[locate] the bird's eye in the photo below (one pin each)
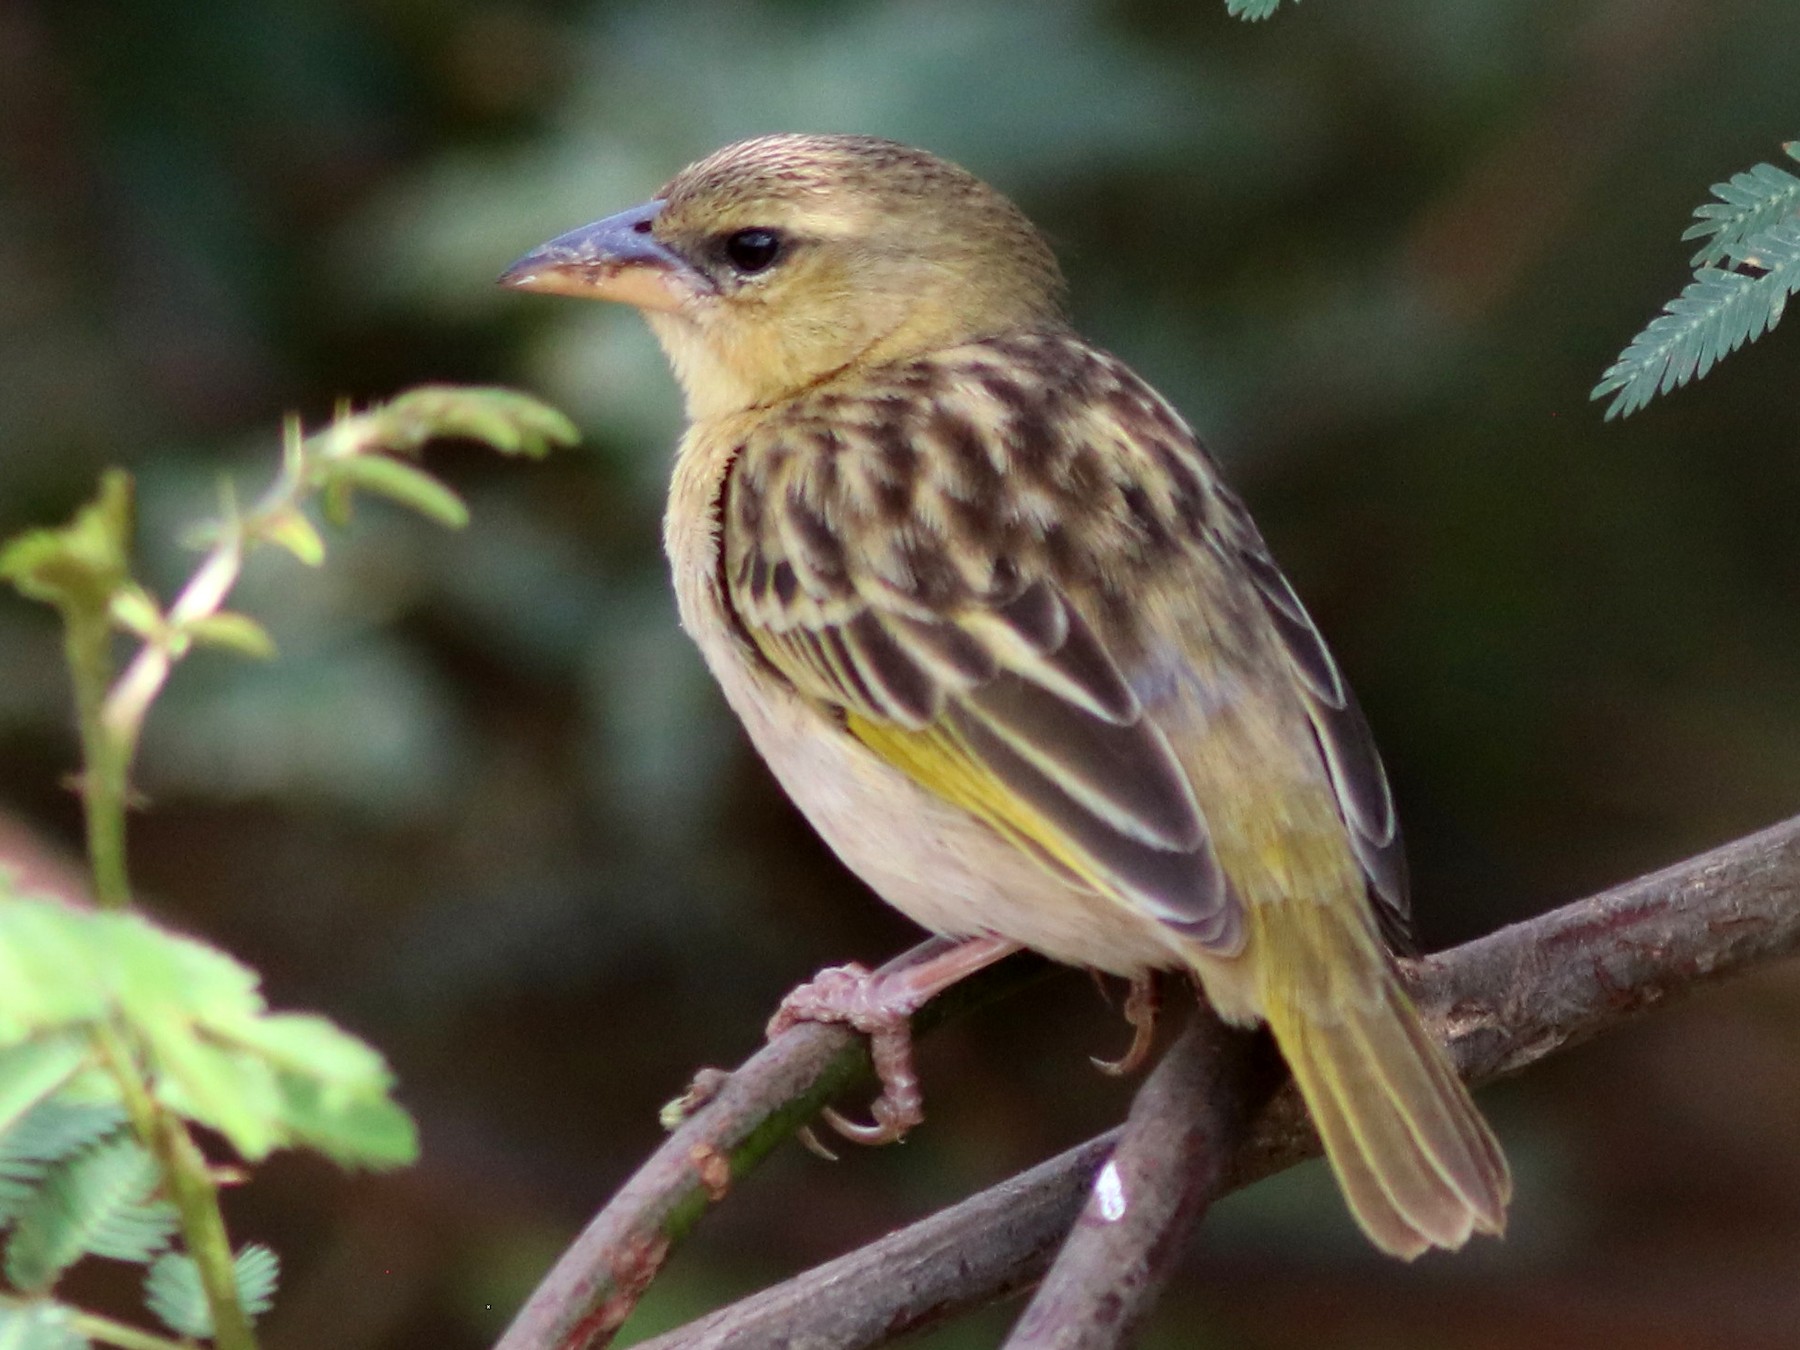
(752, 250)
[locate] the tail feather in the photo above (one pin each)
(1431, 1110)
(1417, 1164)
(1371, 1200)
(1483, 1149)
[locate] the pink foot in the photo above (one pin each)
(853, 995)
(880, 1004)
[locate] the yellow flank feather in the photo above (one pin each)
(935, 761)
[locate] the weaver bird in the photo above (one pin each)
(987, 609)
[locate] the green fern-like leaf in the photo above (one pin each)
(79, 566)
(98, 1201)
(48, 978)
(172, 1289)
(53, 1130)
(257, 1270)
(1748, 204)
(1718, 312)
(1251, 9)
(172, 1292)
(411, 487)
(215, 1053)
(510, 422)
(39, 1325)
(32, 1070)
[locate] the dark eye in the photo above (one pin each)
(752, 250)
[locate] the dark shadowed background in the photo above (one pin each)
(487, 809)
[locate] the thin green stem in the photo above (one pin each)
(191, 1190)
(105, 1330)
(103, 784)
(203, 1231)
(123, 1334)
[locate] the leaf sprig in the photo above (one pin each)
(365, 452)
(172, 1289)
(118, 1036)
(212, 1051)
(1743, 277)
(1252, 10)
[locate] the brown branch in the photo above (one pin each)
(1502, 1002)
(991, 1245)
(1185, 1126)
(732, 1121)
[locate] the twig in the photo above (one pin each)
(1185, 1126)
(997, 1242)
(598, 1280)
(1502, 1002)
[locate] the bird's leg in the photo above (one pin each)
(1141, 1006)
(880, 1004)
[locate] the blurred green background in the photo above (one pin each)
(488, 811)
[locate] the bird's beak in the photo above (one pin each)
(612, 259)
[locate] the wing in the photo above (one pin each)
(1345, 742)
(909, 556)
(895, 556)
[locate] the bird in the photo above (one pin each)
(998, 626)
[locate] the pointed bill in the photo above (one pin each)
(617, 258)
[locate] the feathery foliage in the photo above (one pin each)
(1743, 277)
(1749, 203)
(1252, 9)
(54, 1130)
(39, 1325)
(172, 1289)
(99, 1201)
(32, 1071)
(213, 1052)
(117, 1035)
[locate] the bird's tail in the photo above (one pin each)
(1417, 1163)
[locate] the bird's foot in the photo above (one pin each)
(1141, 1006)
(880, 1004)
(881, 1008)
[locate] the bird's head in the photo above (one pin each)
(774, 264)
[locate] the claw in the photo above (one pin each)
(881, 1005)
(874, 1134)
(810, 1141)
(1140, 1010)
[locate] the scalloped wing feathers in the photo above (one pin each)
(971, 641)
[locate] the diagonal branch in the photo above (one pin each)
(1185, 1126)
(1502, 1002)
(731, 1123)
